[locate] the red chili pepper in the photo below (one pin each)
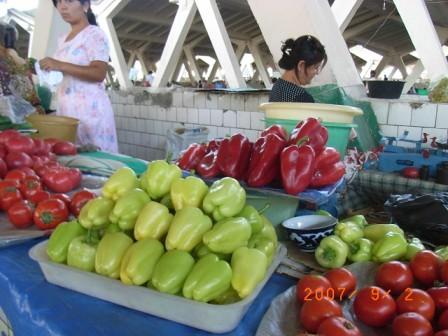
(234, 155)
(275, 129)
(329, 156)
(311, 128)
(297, 168)
(328, 175)
(190, 157)
(264, 163)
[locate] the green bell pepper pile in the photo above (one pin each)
(414, 246)
(332, 252)
(360, 250)
(171, 234)
(392, 246)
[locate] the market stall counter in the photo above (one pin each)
(35, 307)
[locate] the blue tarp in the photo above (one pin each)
(36, 307)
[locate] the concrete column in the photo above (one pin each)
(381, 65)
(253, 48)
(49, 26)
(212, 74)
(413, 76)
(316, 18)
(421, 30)
(176, 38)
(192, 63)
(344, 11)
(189, 72)
(221, 42)
(131, 59)
(141, 59)
(399, 64)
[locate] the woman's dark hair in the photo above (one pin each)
(306, 48)
(90, 16)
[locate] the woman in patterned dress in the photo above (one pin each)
(302, 60)
(82, 57)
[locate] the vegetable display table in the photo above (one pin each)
(36, 307)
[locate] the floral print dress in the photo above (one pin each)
(87, 101)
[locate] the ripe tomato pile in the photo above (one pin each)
(411, 299)
(34, 183)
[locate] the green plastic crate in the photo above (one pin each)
(338, 133)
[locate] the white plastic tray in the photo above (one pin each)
(208, 317)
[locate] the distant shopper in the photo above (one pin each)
(82, 56)
(149, 78)
(302, 60)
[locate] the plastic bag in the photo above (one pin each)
(15, 108)
(180, 138)
(425, 216)
(439, 93)
(49, 79)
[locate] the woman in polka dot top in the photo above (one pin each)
(302, 60)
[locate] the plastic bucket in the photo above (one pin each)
(50, 126)
(300, 111)
(338, 133)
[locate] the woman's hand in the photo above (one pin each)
(49, 64)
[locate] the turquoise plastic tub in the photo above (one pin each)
(338, 133)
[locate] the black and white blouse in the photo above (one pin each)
(284, 91)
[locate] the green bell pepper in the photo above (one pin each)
(128, 207)
(228, 297)
(188, 191)
(139, 261)
(209, 278)
(60, 239)
(263, 244)
(322, 212)
(248, 270)
(375, 232)
(95, 213)
(253, 217)
(202, 250)
(332, 252)
(392, 246)
(110, 253)
(123, 180)
(153, 221)
(171, 271)
(187, 229)
(158, 178)
(225, 198)
(443, 253)
(82, 251)
(167, 201)
(360, 250)
(414, 246)
(348, 232)
(268, 230)
(359, 220)
(228, 234)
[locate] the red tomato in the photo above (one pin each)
(8, 134)
(20, 143)
(338, 326)
(442, 333)
(79, 199)
(3, 151)
(426, 267)
(20, 214)
(62, 179)
(440, 296)
(51, 142)
(3, 168)
(443, 320)
(374, 306)
(41, 147)
(18, 160)
(394, 276)
(416, 301)
(38, 197)
(30, 185)
(63, 197)
(64, 148)
(342, 281)
(314, 312)
(444, 272)
(411, 324)
(9, 196)
(50, 213)
(307, 286)
(9, 183)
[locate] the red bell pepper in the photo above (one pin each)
(275, 129)
(208, 166)
(297, 168)
(312, 130)
(264, 163)
(234, 155)
(328, 175)
(329, 156)
(190, 157)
